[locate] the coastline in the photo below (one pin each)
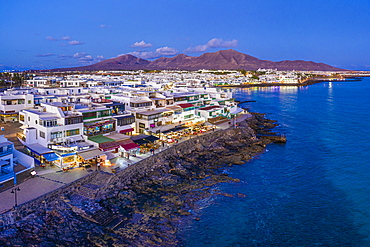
(142, 204)
(306, 83)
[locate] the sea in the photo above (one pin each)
(312, 191)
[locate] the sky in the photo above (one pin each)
(44, 34)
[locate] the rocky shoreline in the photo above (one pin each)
(144, 204)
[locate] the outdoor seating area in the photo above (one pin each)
(175, 135)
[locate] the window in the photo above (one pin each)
(56, 135)
(189, 108)
(49, 123)
(30, 101)
(73, 120)
(20, 101)
(141, 104)
(72, 132)
(154, 116)
(179, 99)
(21, 117)
(105, 113)
(42, 134)
(142, 125)
(89, 115)
(125, 121)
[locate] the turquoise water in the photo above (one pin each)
(312, 191)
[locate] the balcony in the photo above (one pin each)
(21, 136)
(6, 150)
(6, 176)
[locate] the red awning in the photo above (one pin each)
(130, 146)
(210, 107)
(126, 130)
(186, 105)
(108, 145)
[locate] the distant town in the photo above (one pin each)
(80, 119)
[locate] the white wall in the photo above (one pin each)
(24, 159)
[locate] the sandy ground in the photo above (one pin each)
(10, 131)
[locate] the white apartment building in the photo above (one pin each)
(53, 123)
(37, 82)
(12, 104)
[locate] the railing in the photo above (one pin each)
(21, 136)
(6, 152)
(6, 176)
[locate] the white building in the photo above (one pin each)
(53, 123)
(12, 104)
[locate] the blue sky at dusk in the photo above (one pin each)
(57, 34)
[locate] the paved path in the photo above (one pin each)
(51, 178)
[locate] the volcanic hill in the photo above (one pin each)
(220, 60)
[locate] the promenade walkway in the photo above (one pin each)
(51, 178)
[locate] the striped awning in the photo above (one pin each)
(105, 146)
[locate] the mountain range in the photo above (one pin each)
(220, 60)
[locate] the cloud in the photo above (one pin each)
(83, 57)
(141, 44)
(51, 38)
(213, 43)
(162, 51)
(65, 38)
(100, 58)
(90, 59)
(45, 55)
(79, 54)
(142, 54)
(64, 57)
(103, 26)
(166, 51)
(75, 42)
(86, 59)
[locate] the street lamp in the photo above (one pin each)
(14, 191)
